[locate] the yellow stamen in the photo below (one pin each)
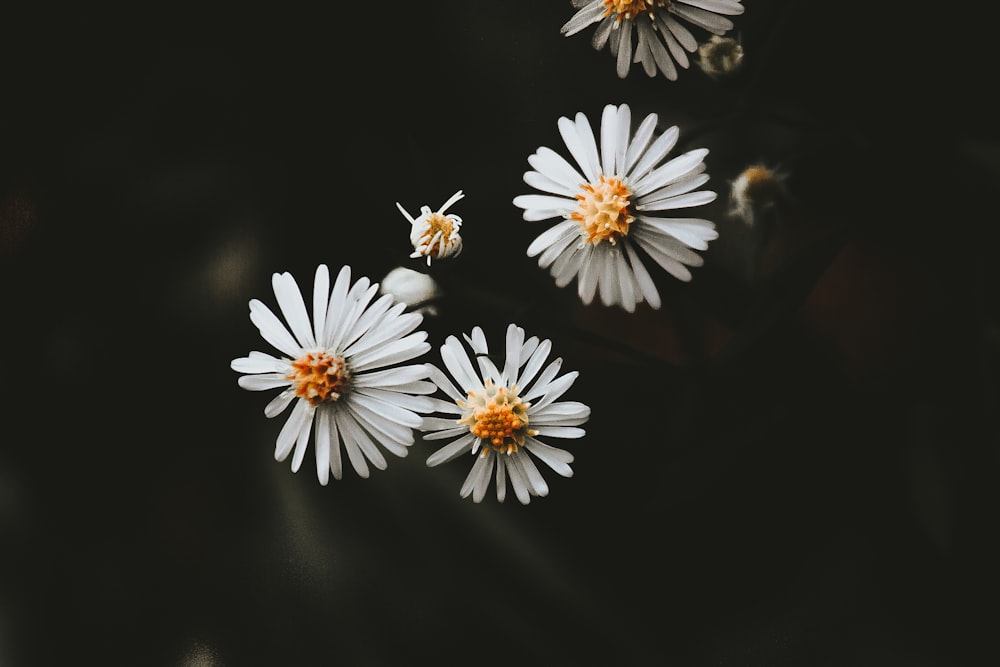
(627, 9)
(440, 226)
(319, 377)
(603, 212)
(498, 417)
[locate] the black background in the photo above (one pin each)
(792, 462)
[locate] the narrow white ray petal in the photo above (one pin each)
(562, 409)
(302, 443)
(602, 34)
(301, 413)
(394, 439)
(536, 482)
(279, 403)
(451, 200)
(501, 480)
(517, 477)
(535, 361)
(337, 304)
(652, 238)
(447, 433)
(263, 382)
(639, 143)
(588, 276)
(336, 462)
(323, 445)
(452, 450)
(609, 139)
(393, 328)
(321, 300)
(545, 202)
(272, 330)
(607, 281)
(568, 264)
(557, 388)
(571, 136)
(396, 411)
(713, 23)
(649, 202)
(553, 457)
(259, 363)
(374, 317)
(658, 54)
(730, 7)
(642, 278)
(512, 353)
(358, 299)
(404, 349)
(699, 198)
(669, 172)
(588, 15)
(457, 362)
(289, 297)
(438, 423)
(626, 283)
(669, 26)
(554, 431)
(558, 236)
(554, 166)
(668, 263)
(656, 152)
(391, 376)
(546, 184)
(539, 386)
(624, 49)
(444, 383)
(473, 483)
(348, 433)
(693, 232)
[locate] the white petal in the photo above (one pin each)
(553, 457)
(452, 450)
(272, 330)
(555, 167)
(259, 363)
(263, 382)
(642, 278)
(658, 150)
(297, 420)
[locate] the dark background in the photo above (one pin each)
(793, 462)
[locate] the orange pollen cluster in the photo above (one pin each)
(436, 224)
(603, 212)
(498, 417)
(627, 9)
(319, 377)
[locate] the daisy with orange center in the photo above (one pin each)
(340, 372)
(651, 32)
(611, 204)
(500, 414)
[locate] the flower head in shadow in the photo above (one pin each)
(651, 32)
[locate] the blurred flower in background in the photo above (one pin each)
(756, 189)
(435, 235)
(417, 290)
(720, 57)
(495, 416)
(612, 207)
(662, 40)
(341, 372)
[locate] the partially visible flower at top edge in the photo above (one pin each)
(434, 234)
(756, 189)
(614, 207)
(720, 57)
(341, 371)
(500, 413)
(661, 39)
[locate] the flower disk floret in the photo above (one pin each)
(500, 414)
(661, 40)
(341, 372)
(612, 204)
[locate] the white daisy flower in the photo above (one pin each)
(434, 234)
(341, 372)
(661, 40)
(499, 414)
(614, 206)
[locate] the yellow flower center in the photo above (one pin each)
(603, 212)
(319, 377)
(437, 224)
(627, 9)
(498, 417)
